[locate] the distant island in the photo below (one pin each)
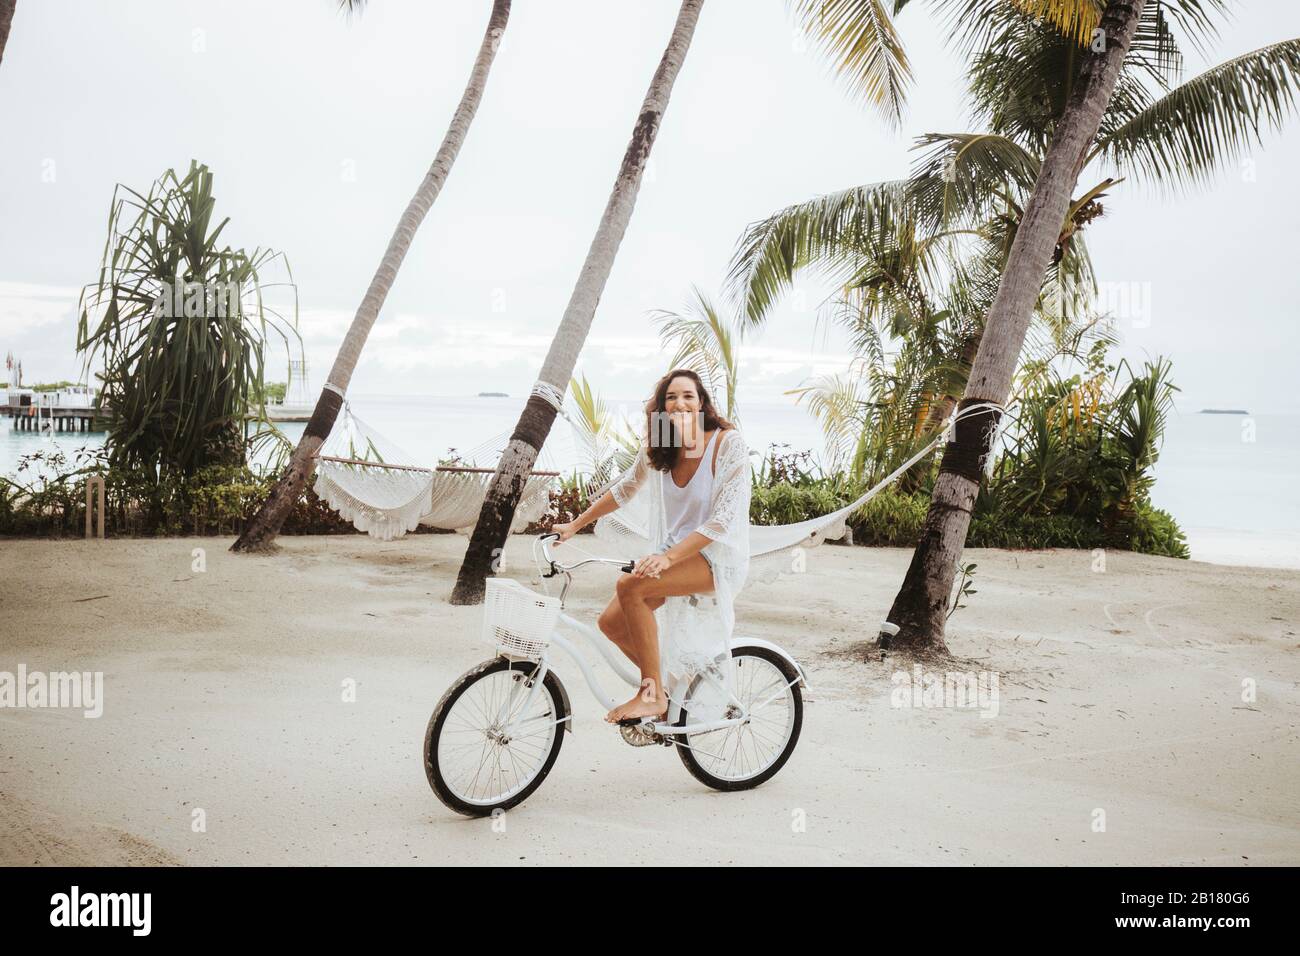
(1224, 411)
(493, 395)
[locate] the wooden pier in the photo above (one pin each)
(33, 418)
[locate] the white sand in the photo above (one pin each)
(1121, 692)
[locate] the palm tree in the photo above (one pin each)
(921, 256)
(535, 422)
(1186, 132)
(261, 531)
(1026, 80)
(6, 18)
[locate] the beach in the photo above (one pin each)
(1147, 713)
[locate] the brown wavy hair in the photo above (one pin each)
(663, 455)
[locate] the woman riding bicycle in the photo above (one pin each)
(690, 485)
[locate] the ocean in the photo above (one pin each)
(1225, 478)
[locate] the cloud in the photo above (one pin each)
(414, 352)
(25, 306)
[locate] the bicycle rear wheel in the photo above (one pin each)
(482, 750)
(745, 755)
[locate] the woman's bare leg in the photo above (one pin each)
(638, 597)
(613, 624)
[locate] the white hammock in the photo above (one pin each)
(379, 488)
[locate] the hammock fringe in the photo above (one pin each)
(372, 483)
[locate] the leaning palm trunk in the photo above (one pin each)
(920, 608)
(539, 414)
(261, 531)
(6, 18)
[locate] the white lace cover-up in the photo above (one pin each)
(694, 630)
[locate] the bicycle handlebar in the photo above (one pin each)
(556, 567)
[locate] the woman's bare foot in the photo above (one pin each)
(647, 703)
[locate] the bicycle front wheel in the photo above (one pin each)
(743, 756)
(491, 741)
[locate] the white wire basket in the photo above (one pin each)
(517, 620)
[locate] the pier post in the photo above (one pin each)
(95, 483)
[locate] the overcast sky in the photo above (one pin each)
(318, 127)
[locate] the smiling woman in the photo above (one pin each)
(688, 492)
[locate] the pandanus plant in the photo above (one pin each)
(180, 322)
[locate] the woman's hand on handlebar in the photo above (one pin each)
(566, 530)
(652, 565)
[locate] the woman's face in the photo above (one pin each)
(682, 403)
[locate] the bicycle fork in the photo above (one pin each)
(506, 716)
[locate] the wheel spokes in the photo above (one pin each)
(479, 762)
(746, 750)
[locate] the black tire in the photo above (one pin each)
(748, 783)
(550, 685)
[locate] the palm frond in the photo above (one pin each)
(1183, 138)
(959, 176)
(824, 232)
(836, 402)
(1154, 48)
(972, 24)
(1196, 19)
(604, 441)
(859, 38)
(1074, 19)
(708, 344)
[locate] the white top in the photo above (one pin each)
(685, 509)
(694, 632)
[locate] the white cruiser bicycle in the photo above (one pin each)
(497, 731)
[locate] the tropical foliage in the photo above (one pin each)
(708, 343)
(606, 443)
(46, 497)
(180, 322)
(1074, 468)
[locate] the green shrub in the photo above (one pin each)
(890, 520)
(214, 500)
(219, 498)
(786, 503)
(1156, 532)
(1033, 531)
(894, 519)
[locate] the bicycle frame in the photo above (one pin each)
(667, 726)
